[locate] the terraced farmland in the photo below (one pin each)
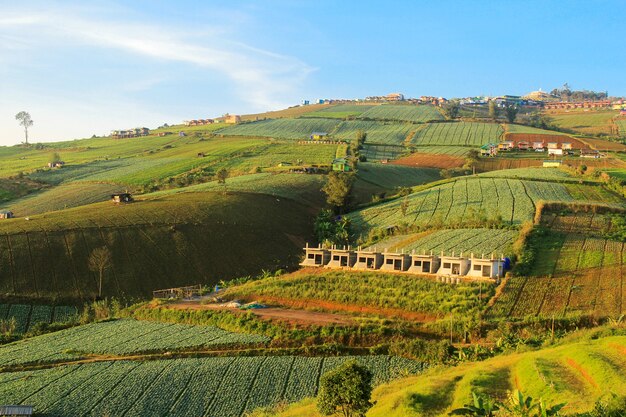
(340, 111)
(373, 179)
(585, 122)
(294, 129)
(621, 126)
(476, 241)
(458, 134)
(407, 113)
(118, 337)
(514, 128)
(28, 316)
(216, 387)
(391, 133)
(443, 150)
(375, 152)
(512, 199)
(432, 160)
(532, 173)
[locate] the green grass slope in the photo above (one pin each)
(575, 373)
(171, 241)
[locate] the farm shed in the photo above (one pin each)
(538, 145)
(122, 198)
(341, 258)
(398, 262)
(523, 145)
(506, 145)
(315, 256)
(566, 146)
(179, 292)
(232, 118)
(6, 214)
(454, 265)
(552, 164)
(489, 149)
(161, 134)
(16, 410)
(367, 260)
(486, 267)
(318, 136)
(554, 151)
(589, 153)
(424, 264)
(553, 145)
(341, 165)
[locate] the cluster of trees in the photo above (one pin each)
(565, 93)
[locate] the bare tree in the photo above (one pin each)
(24, 118)
(100, 260)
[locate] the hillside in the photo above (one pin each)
(575, 373)
(178, 239)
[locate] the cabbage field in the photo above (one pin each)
(294, 129)
(458, 134)
(215, 387)
(27, 316)
(405, 113)
(391, 133)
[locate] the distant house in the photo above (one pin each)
(454, 265)
(130, 133)
(394, 97)
(489, 149)
(16, 410)
(523, 145)
(538, 145)
(341, 165)
(199, 122)
(554, 151)
(232, 118)
(318, 136)
(589, 153)
(161, 134)
(486, 267)
(553, 145)
(506, 145)
(6, 214)
(566, 146)
(552, 164)
(424, 264)
(315, 256)
(57, 164)
(122, 198)
(398, 262)
(366, 260)
(201, 155)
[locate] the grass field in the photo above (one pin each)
(585, 122)
(458, 134)
(341, 111)
(365, 292)
(291, 112)
(382, 152)
(215, 387)
(176, 240)
(576, 373)
(513, 199)
(515, 128)
(386, 178)
(467, 241)
(405, 113)
(119, 337)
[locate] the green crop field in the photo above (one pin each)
(458, 134)
(118, 337)
(512, 199)
(341, 111)
(577, 374)
(392, 133)
(384, 178)
(621, 126)
(532, 173)
(216, 387)
(467, 241)
(405, 113)
(514, 128)
(368, 290)
(174, 240)
(27, 317)
(585, 122)
(294, 129)
(375, 152)
(460, 151)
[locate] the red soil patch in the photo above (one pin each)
(604, 145)
(619, 348)
(571, 362)
(430, 160)
(538, 137)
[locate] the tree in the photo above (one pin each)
(221, 175)
(100, 260)
(494, 111)
(404, 206)
(471, 159)
(510, 112)
(24, 118)
(480, 407)
(338, 188)
(451, 109)
(345, 391)
(55, 158)
(522, 406)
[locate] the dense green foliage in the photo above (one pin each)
(28, 317)
(406, 113)
(346, 391)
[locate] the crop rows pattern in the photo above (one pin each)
(119, 337)
(458, 134)
(215, 387)
(415, 114)
(27, 316)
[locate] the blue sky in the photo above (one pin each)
(83, 68)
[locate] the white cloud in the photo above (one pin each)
(261, 78)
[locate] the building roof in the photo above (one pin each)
(16, 410)
(5, 212)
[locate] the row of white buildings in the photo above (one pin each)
(411, 263)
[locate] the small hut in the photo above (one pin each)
(398, 262)
(424, 264)
(341, 258)
(454, 265)
(315, 256)
(6, 214)
(368, 260)
(122, 198)
(490, 267)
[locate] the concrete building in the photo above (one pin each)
(554, 151)
(454, 265)
(424, 264)
(368, 260)
(341, 258)
(396, 262)
(315, 256)
(486, 267)
(232, 118)
(6, 214)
